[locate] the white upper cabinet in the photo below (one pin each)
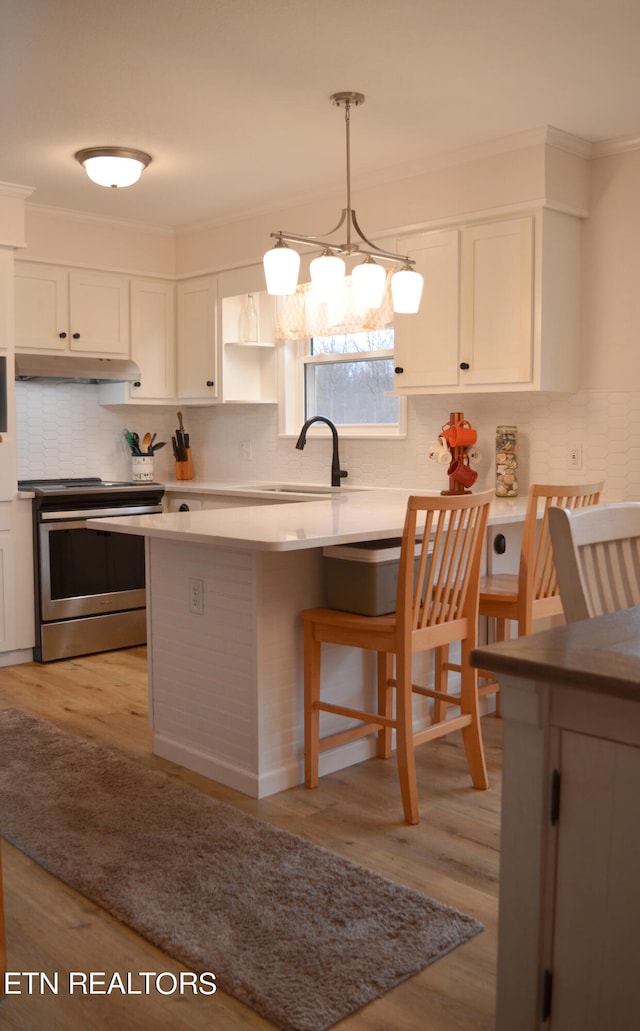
(197, 340)
(153, 346)
(426, 344)
(496, 303)
(71, 311)
(500, 309)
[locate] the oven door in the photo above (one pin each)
(86, 572)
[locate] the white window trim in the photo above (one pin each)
(293, 356)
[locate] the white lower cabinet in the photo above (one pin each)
(188, 501)
(17, 620)
(500, 309)
(570, 837)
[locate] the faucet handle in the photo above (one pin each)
(342, 473)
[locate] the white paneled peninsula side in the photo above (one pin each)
(224, 591)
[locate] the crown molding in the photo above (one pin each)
(69, 215)
(561, 140)
(15, 190)
(621, 145)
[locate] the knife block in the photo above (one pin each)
(184, 470)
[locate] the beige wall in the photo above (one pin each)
(97, 243)
(499, 181)
(611, 276)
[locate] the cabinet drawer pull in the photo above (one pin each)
(76, 336)
(209, 382)
(464, 366)
(63, 336)
(137, 383)
(398, 370)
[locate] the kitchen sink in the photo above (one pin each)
(318, 490)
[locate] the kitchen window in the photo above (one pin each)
(347, 378)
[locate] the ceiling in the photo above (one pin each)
(231, 97)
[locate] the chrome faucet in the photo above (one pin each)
(337, 473)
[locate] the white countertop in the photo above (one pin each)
(363, 515)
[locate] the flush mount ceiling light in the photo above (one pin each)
(281, 263)
(113, 166)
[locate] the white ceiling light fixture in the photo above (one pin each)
(113, 166)
(281, 267)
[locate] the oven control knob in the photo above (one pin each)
(184, 508)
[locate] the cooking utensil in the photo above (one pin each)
(146, 443)
(156, 447)
(133, 441)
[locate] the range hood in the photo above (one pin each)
(76, 369)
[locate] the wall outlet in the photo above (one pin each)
(246, 450)
(575, 456)
(196, 596)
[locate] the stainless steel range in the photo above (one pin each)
(90, 584)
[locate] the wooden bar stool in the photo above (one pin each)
(532, 592)
(436, 605)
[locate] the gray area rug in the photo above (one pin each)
(299, 934)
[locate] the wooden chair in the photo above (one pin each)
(437, 604)
(530, 594)
(597, 557)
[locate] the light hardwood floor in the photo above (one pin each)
(451, 855)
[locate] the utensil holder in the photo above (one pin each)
(184, 470)
(142, 468)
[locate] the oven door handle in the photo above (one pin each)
(100, 513)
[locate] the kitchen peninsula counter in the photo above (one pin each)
(365, 514)
(225, 588)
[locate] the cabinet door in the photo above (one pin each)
(496, 302)
(426, 344)
(597, 893)
(153, 339)
(197, 351)
(41, 307)
(99, 313)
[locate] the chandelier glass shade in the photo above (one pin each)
(113, 166)
(328, 270)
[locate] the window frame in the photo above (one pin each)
(295, 356)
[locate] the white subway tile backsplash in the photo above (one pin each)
(64, 431)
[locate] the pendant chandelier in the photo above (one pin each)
(282, 263)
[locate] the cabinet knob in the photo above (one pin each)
(137, 383)
(464, 366)
(209, 382)
(76, 336)
(398, 370)
(63, 336)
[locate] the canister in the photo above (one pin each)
(506, 461)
